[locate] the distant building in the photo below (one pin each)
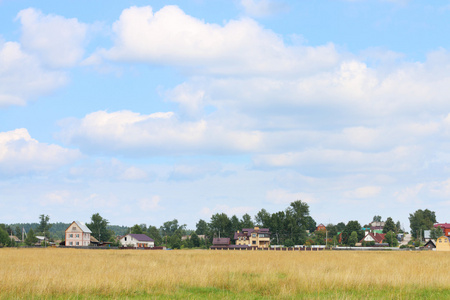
(253, 237)
(377, 227)
(321, 227)
(373, 237)
(221, 242)
(430, 245)
(137, 240)
(443, 243)
(445, 228)
(78, 235)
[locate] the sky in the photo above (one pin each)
(149, 111)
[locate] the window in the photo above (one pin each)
(254, 242)
(78, 243)
(74, 228)
(77, 235)
(253, 234)
(71, 235)
(71, 243)
(125, 239)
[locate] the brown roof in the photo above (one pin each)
(221, 241)
(378, 237)
(93, 239)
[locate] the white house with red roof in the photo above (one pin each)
(373, 237)
(137, 240)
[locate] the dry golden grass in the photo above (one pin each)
(71, 273)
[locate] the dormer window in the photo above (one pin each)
(74, 228)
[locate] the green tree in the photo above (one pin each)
(221, 225)
(391, 239)
(153, 233)
(436, 233)
(202, 227)
(31, 238)
(376, 219)
(246, 221)
(195, 240)
(44, 225)
(353, 239)
(170, 227)
(349, 228)
(235, 224)
(340, 226)
(4, 237)
(297, 215)
(98, 226)
(262, 218)
(389, 226)
(332, 230)
(137, 229)
(421, 220)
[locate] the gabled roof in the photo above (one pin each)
(141, 237)
(93, 239)
(83, 227)
(80, 225)
(377, 237)
(221, 241)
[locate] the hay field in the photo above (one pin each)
(72, 273)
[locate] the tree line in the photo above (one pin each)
(291, 226)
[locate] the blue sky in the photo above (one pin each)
(146, 111)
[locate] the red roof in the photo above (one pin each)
(442, 225)
(378, 237)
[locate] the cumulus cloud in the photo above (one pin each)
(364, 192)
(57, 41)
(21, 154)
(169, 36)
(155, 134)
(22, 76)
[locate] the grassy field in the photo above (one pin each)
(194, 274)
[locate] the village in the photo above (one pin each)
(78, 235)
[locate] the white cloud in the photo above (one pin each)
(262, 8)
(158, 133)
(169, 36)
(58, 41)
(230, 211)
(20, 154)
(22, 77)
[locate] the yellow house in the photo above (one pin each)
(443, 243)
(253, 237)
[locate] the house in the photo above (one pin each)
(445, 228)
(78, 235)
(221, 242)
(373, 237)
(137, 240)
(15, 239)
(41, 239)
(431, 244)
(94, 241)
(321, 227)
(443, 243)
(253, 237)
(377, 227)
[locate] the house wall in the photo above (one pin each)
(76, 237)
(131, 241)
(442, 244)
